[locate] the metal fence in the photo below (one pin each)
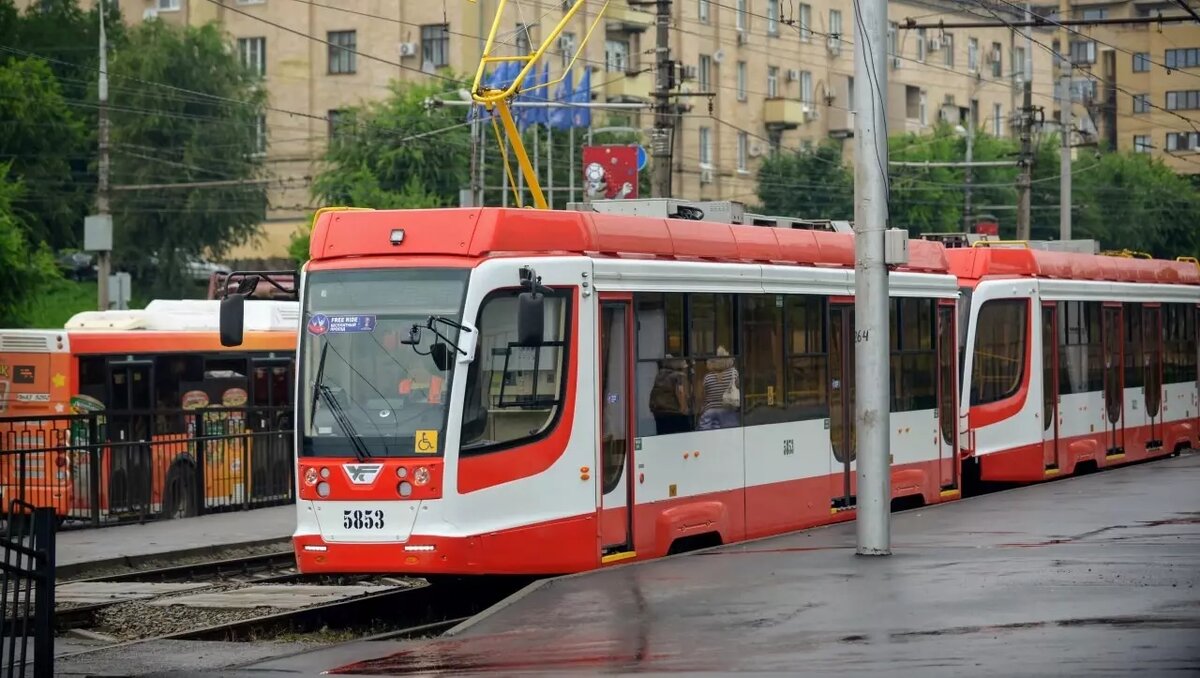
(26, 591)
(114, 466)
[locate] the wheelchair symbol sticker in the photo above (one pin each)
(426, 442)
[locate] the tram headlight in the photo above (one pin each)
(404, 488)
(310, 476)
(323, 489)
(421, 476)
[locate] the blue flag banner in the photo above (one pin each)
(581, 115)
(562, 118)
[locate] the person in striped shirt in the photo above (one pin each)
(722, 393)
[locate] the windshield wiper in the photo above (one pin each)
(335, 408)
(339, 415)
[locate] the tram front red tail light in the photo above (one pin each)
(404, 488)
(421, 476)
(323, 489)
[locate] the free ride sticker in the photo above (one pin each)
(426, 442)
(340, 324)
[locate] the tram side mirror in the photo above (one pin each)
(530, 319)
(440, 355)
(233, 309)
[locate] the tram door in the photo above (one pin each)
(1152, 373)
(1050, 360)
(1114, 378)
(841, 403)
(947, 411)
(129, 429)
(616, 458)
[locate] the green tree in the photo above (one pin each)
(203, 129)
(807, 184)
(26, 270)
(40, 140)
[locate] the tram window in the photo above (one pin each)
(998, 363)
(659, 325)
(500, 411)
(1134, 375)
(711, 324)
(807, 364)
(174, 375)
(762, 339)
(1079, 366)
(913, 382)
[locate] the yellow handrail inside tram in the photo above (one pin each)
(990, 243)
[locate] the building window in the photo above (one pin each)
(169, 5)
(343, 47)
(805, 22)
(773, 17)
(741, 16)
(253, 53)
(567, 45)
(705, 72)
(435, 44)
(705, 147)
(1094, 14)
(948, 50)
(893, 46)
(1018, 64)
(924, 109)
(835, 23)
(743, 151)
(260, 134)
(1141, 103)
(1183, 141)
(1083, 52)
(339, 122)
(1141, 143)
(741, 81)
(997, 121)
(772, 81)
(921, 45)
(1141, 62)
(702, 9)
(1183, 58)
(973, 55)
(999, 359)
(806, 87)
(1187, 100)
(616, 56)
(997, 59)
(912, 102)
(522, 39)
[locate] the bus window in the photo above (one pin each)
(171, 373)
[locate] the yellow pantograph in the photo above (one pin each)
(499, 100)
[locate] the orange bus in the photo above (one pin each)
(133, 414)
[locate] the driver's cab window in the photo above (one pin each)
(514, 393)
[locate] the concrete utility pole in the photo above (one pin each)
(871, 403)
(102, 208)
(1025, 179)
(968, 176)
(662, 139)
(1064, 215)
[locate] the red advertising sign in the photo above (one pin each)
(987, 228)
(610, 172)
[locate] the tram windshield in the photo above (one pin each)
(366, 389)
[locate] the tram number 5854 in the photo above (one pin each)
(362, 520)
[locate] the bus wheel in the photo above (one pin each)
(179, 495)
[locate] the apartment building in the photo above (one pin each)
(758, 74)
(1137, 86)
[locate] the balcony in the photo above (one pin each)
(779, 113)
(633, 87)
(620, 17)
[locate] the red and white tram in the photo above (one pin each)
(496, 391)
(1077, 360)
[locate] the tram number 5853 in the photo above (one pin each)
(362, 520)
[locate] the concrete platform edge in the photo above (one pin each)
(498, 607)
(79, 570)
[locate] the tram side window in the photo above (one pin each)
(998, 363)
(1179, 343)
(174, 376)
(762, 379)
(1134, 375)
(514, 393)
(807, 360)
(1080, 369)
(913, 381)
(714, 355)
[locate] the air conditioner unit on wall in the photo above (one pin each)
(149, 13)
(793, 74)
(935, 44)
(706, 175)
(690, 72)
(408, 49)
(834, 44)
